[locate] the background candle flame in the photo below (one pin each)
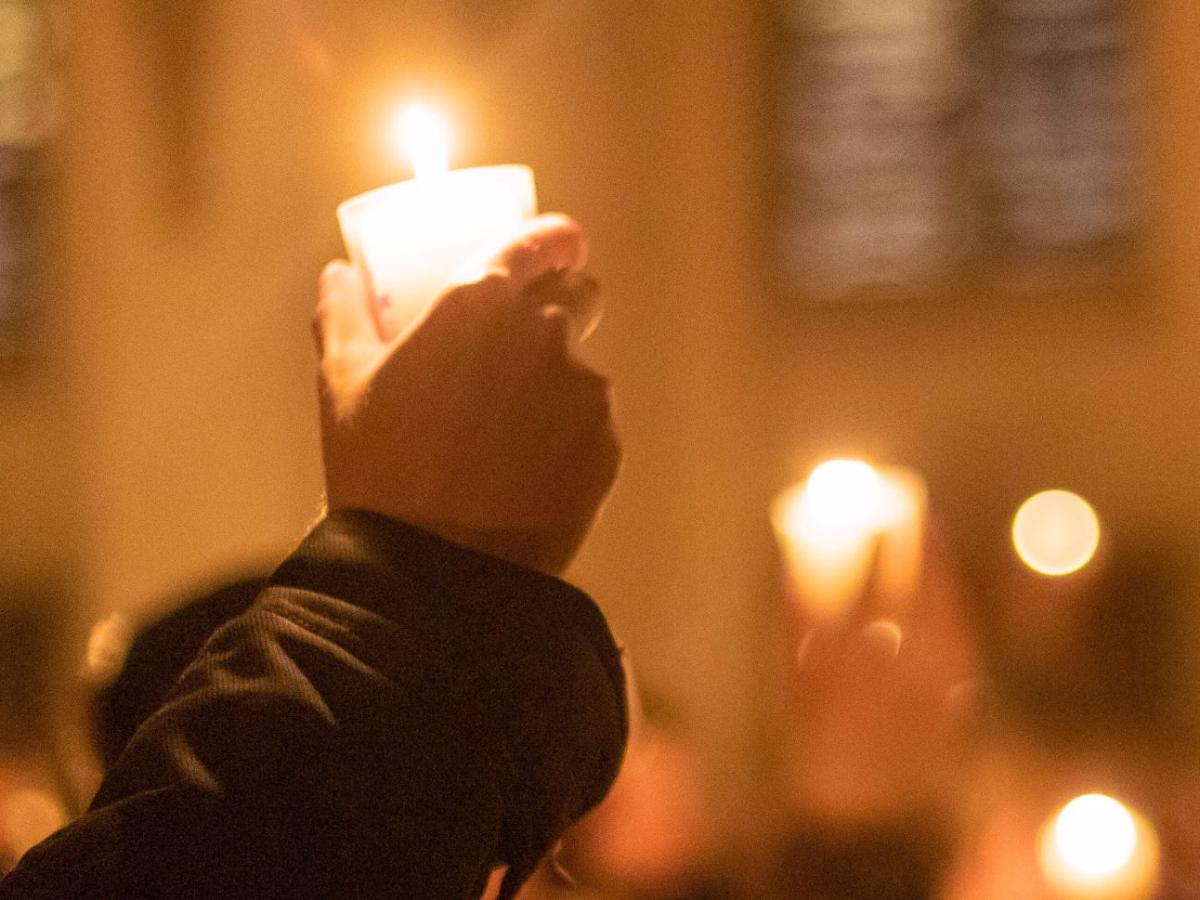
(423, 138)
(843, 518)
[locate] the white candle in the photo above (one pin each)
(843, 517)
(410, 238)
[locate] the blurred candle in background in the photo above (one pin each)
(846, 515)
(410, 238)
(1096, 848)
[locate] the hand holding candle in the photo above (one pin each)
(478, 425)
(450, 398)
(882, 657)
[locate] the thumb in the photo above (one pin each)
(343, 325)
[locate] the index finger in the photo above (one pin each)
(498, 283)
(547, 243)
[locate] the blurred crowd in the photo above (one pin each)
(925, 743)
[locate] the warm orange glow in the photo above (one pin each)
(1096, 847)
(1056, 532)
(845, 514)
(29, 816)
(422, 136)
(839, 501)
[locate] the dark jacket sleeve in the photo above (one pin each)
(394, 716)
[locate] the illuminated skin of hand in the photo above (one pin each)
(877, 704)
(479, 424)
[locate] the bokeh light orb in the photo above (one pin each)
(1094, 836)
(1056, 532)
(1095, 846)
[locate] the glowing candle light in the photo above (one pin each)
(424, 137)
(1097, 848)
(1056, 532)
(28, 816)
(844, 516)
(410, 238)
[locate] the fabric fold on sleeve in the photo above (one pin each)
(392, 717)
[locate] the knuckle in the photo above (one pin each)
(556, 243)
(520, 259)
(554, 240)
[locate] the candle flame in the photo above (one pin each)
(826, 526)
(841, 500)
(423, 136)
(845, 518)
